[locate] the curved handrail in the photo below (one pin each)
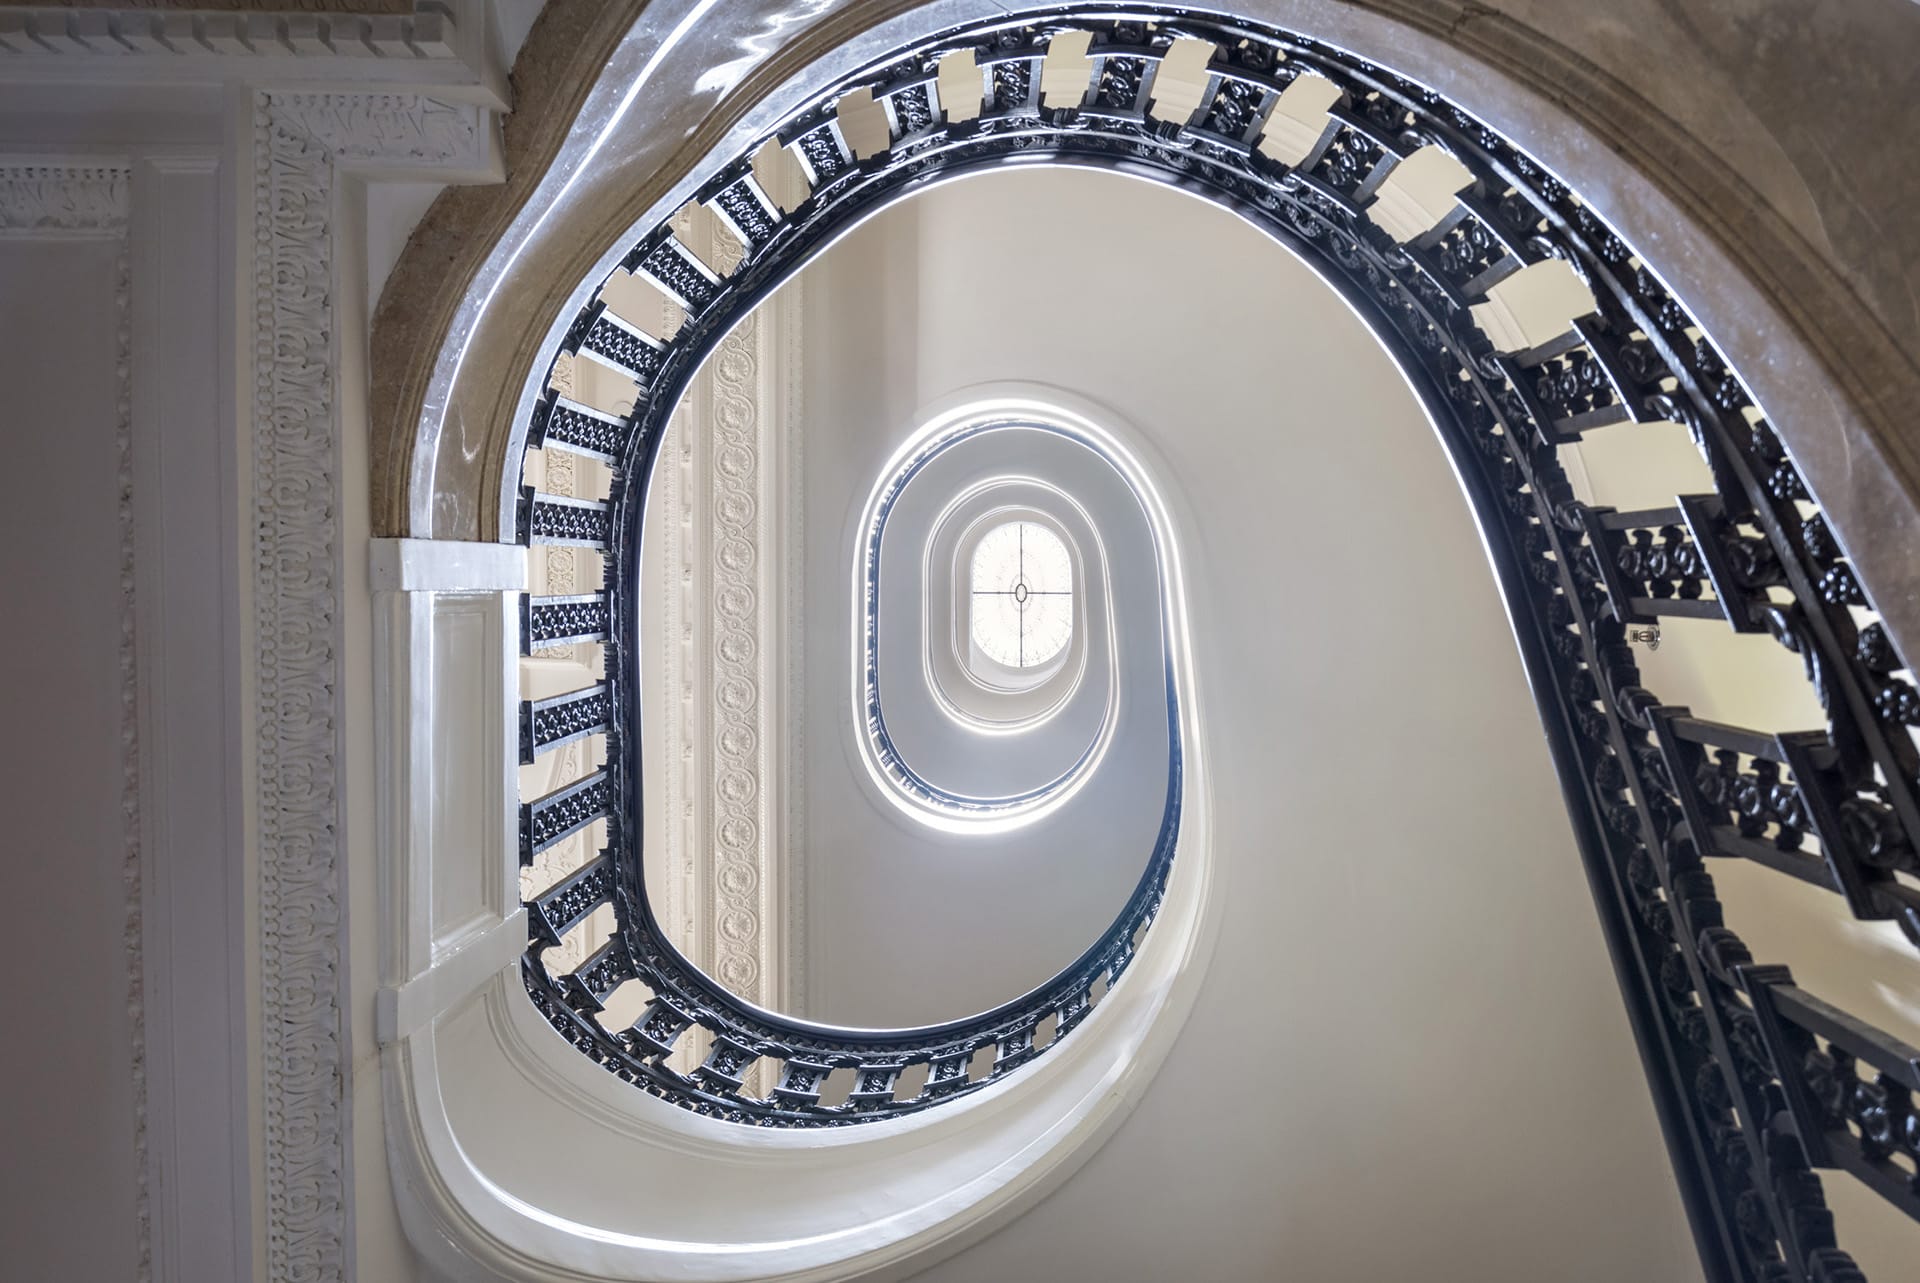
(1757, 1081)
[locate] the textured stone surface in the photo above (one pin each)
(1756, 153)
(1816, 103)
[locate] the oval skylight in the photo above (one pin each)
(1022, 602)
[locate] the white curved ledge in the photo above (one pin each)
(515, 1157)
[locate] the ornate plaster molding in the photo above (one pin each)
(741, 781)
(49, 199)
(299, 140)
(730, 675)
(445, 47)
(681, 834)
(42, 199)
(382, 127)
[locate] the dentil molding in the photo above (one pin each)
(444, 43)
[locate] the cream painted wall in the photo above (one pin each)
(1411, 1015)
(907, 924)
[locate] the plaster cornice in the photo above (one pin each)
(297, 28)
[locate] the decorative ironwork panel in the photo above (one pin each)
(546, 622)
(568, 903)
(673, 268)
(581, 429)
(727, 1064)
(746, 209)
(1850, 1089)
(588, 986)
(910, 111)
(1120, 85)
(1014, 76)
(1235, 109)
(562, 519)
(822, 152)
(619, 344)
(1583, 380)
(563, 812)
(800, 1083)
(873, 1086)
(546, 724)
(659, 1027)
(1649, 563)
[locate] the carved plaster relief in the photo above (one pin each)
(727, 636)
(300, 140)
(335, 7)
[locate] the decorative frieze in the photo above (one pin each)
(50, 199)
(730, 557)
(299, 140)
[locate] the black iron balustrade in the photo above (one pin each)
(564, 424)
(1759, 1084)
(562, 519)
(607, 338)
(549, 622)
(564, 812)
(562, 719)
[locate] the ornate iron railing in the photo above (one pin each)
(1758, 1082)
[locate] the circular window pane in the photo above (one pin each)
(1022, 612)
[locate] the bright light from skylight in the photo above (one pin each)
(1022, 612)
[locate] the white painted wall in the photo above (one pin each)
(1411, 1018)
